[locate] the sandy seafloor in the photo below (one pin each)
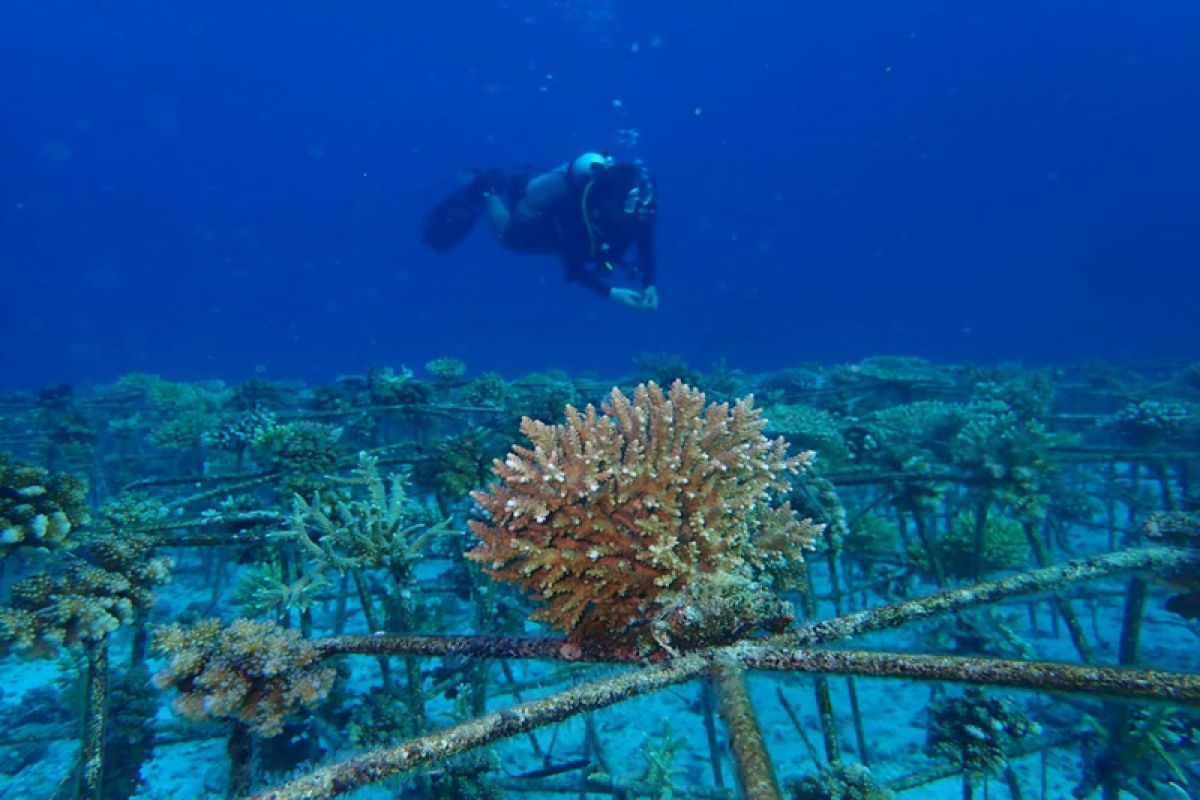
(893, 711)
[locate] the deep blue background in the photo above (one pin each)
(203, 189)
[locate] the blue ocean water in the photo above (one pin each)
(222, 189)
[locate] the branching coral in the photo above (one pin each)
(38, 509)
(256, 672)
(85, 600)
(643, 521)
(266, 590)
(383, 529)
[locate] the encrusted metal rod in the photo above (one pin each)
(756, 773)
(376, 765)
(504, 647)
(982, 594)
(91, 751)
(1170, 687)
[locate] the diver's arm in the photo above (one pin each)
(577, 272)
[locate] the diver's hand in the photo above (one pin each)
(650, 299)
(627, 297)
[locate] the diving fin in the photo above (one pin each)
(453, 218)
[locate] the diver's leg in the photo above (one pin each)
(498, 215)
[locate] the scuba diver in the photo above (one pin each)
(588, 212)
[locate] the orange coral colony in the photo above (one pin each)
(648, 522)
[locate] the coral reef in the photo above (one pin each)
(38, 509)
(655, 505)
(256, 672)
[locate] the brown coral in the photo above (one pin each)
(85, 599)
(622, 521)
(254, 671)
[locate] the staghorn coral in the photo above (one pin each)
(650, 521)
(382, 529)
(256, 672)
(86, 599)
(266, 590)
(38, 509)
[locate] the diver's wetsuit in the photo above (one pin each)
(548, 217)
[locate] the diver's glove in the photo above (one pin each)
(650, 298)
(629, 297)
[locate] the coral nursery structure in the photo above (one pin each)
(334, 592)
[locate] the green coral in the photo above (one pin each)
(378, 718)
(170, 397)
(808, 428)
(266, 590)
(256, 394)
(382, 529)
(38, 509)
(389, 388)
(1006, 459)
(184, 431)
(905, 376)
(871, 537)
(304, 452)
(541, 395)
(663, 369)
(458, 465)
(661, 767)
(489, 389)
(1005, 547)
